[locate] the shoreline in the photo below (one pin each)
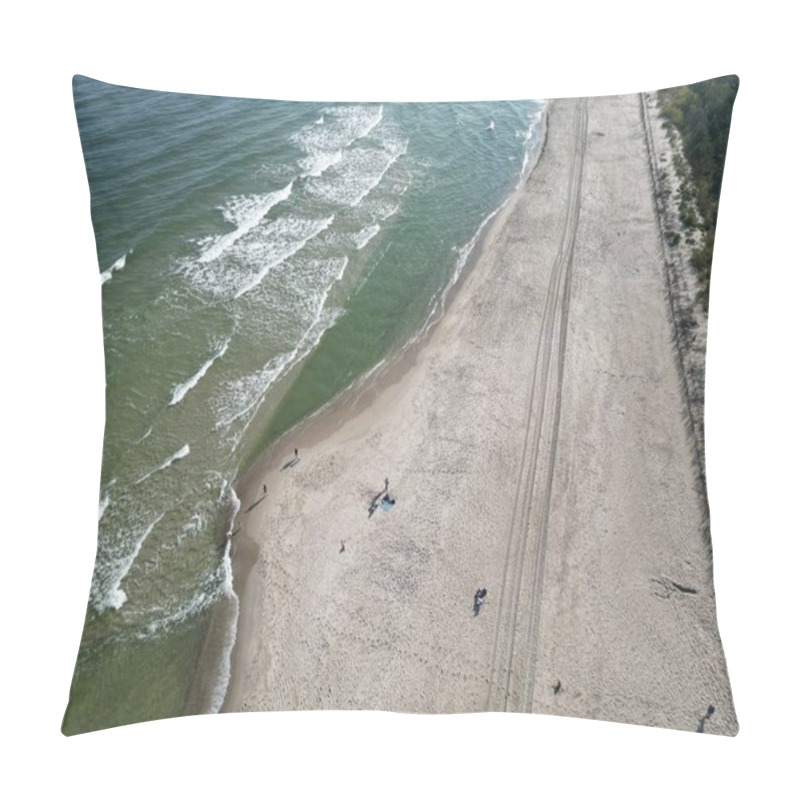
(347, 404)
(600, 602)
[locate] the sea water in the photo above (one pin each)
(255, 258)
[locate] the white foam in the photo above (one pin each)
(243, 396)
(535, 123)
(315, 164)
(245, 265)
(115, 597)
(342, 126)
(464, 252)
(191, 528)
(272, 252)
(363, 236)
(380, 209)
(221, 687)
(200, 601)
(340, 273)
(360, 170)
(177, 456)
(246, 212)
(105, 498)
(147, 433)
(118, 264)
(179, 391)
(246, 393)
(103, 506)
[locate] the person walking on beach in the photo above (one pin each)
(295, 454)
(386, 486)
(265, 488)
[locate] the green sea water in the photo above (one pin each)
(256, 258)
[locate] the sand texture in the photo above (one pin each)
(537, 445)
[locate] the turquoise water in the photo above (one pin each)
(256, 257)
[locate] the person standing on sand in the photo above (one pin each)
(265, 488)
(386, 487)
(295, 454)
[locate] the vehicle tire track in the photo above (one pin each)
(513, 662)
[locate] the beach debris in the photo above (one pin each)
(478, 600)
(701, 723)
(382, 499)
(665, 588)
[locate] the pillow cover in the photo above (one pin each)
(404, 407)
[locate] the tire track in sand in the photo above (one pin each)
(511, 675)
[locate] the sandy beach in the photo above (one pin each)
(535, 444)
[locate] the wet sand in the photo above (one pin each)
(536, 445)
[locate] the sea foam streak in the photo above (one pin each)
(179, 391)
(103, 505)
(177, 456)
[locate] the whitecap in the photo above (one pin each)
(343, 126)
(243, 396)
(179, 391)
(315, 164)
(246, 264)
(363, 236)
(103, 506)
(106, 275)
(200, 601)
(245, 212)
(115, 597)
(268, 254)
(177, 456)
(360, 170)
